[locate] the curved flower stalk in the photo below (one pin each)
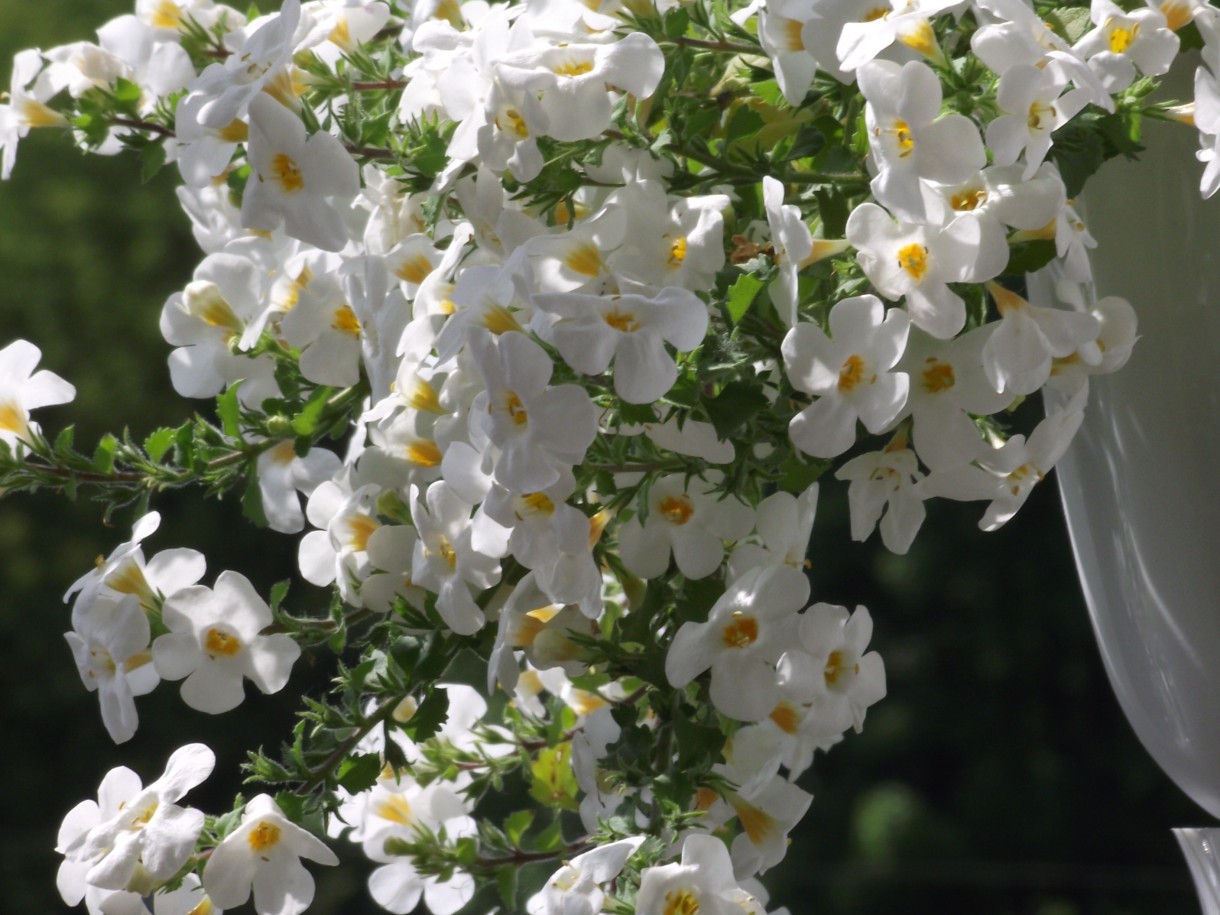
(561, 328)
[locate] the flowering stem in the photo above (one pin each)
(150, 126)
(372, 85)
(730, 47)
(370, 152)
(319, 774)
(527, 857)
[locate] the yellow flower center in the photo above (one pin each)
(286, 171)
(901, 131)
(913, 258)
(345, 321)
(852, 373)
(424, 453)
(676, 509)
(836, 668)
(921, 39)
(516, 409)
(573, 68)
(677, 251)
(1037, 113)
(516, 123)
(360, 528)
(499, 320)
(263, 836)
(584, 259)
(423, 397)
(236, 132)
(938, 376)
(1177, 13)
(535, 503)
(12, 417)
(395, 809)
(785, 718)
(447, 552)
(967, 201)
(1120, 38)
(683, 902)
(166, 15)
(741, 631)
(36, 114)
(758, 824)
(219, 642)
(204, 301)
(414, 269)
(792, 35)
(623, 321)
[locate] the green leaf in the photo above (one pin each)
(734, 407)
(1072, 22)
(126, 93)
(517, 824)
(553, 783)
(551, 838)
(305, 422)
(152, 159)
(742, 295)
(744, 123)
(357, 773)
(506, 883)
(799, 475)
(229, 412)
(429, 716)
(103, 455)
(252, 501)
(63, 441)
(279, 591)
(1030, 256)
(157, 444)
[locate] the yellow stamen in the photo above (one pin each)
(852, 373)
(742, 631)
(913, 258)
(345, 321)
(516, 409)
(516, 123)
(395, 809)
(785, 718)
(499, 320)
(573, 68)
(902, 137)
(263, 836)
(584, 259)
(1119, 38)
(676, 509)
(414, 269)
(683, 902)
(677, 251)
(623, 321)
(836, 668)
(424, 453)
(938, 377)
(218, 642)
(535, 503)
(967, 201)
(360, 528)
(286, 171)
(447, 552)
(1037, 113)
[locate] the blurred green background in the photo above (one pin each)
(998, 776)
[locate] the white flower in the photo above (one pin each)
(835, 641)
(282, 473)
(703, 882)
(148, 837)
(1124, 42)
(26, 106)
(1017, 358)
(885, 481)
(110, 646)
(541, 430)
(746, 632)
(908, 137)
(214, 643)
(576, 888)
(686, 520)
(264, 853)
(849, 372)
(630, 329)
(297, 180)
(1037, 102)
(784, 523)
(22, 389)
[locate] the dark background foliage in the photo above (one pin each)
(999, 775)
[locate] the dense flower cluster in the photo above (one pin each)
(586, 297)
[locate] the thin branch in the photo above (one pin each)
(318, 774)
(150, 126)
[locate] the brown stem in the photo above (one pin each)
(318, 775)
(526, 857)
(370, 152)
(143, 125)
(731, 47)
(379, 84)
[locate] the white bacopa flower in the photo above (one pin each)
(110, 645)
(685, 519)
(148, 837)
(905, 21)
(576, 888)
(296, 180)
(746, 632)
(910, 139)
(1124, 42)
(22, 390)
(1036, 102)
(792, 243)
(784, 523)
(835, 642)
(918, 261)
(214, 642)
(264, 854)
(886, 482)
(540, 429)
(26, 107)
(849, 373)
(1017, 358)
(282, 474)
(630, 330)
(701, 883)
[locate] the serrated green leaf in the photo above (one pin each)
(103, 455)
(734, 406)
(429, 716)
(279, 591)
(159, 442)
(506, 884)
(1071, 22)
(152, 159)
(551, 838)
(742, 295)
(63, 441)
(552, 781)
(306, 421)
(516, 825)
(252, 501)
(229, 411)
(358, 773)
(800, 475)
